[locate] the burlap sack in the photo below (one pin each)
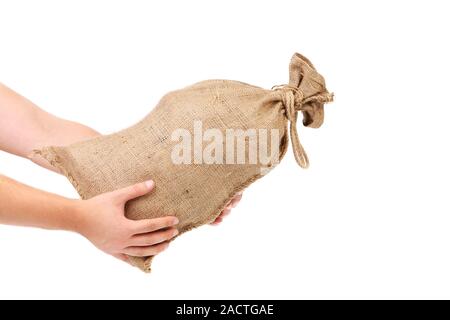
(196, 193)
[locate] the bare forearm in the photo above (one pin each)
(100, 219)
(25, 127)
(22, 205)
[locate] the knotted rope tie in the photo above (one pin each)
(294, 101)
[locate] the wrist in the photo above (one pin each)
(76, 218)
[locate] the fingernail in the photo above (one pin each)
(176, 220)
(176, 232)
(149, 184)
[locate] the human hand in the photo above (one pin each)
(103, 222)
(231, 204)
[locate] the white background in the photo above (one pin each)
(369, 219)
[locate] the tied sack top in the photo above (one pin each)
(306, 92)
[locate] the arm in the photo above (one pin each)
(100, 219)
(25, 127)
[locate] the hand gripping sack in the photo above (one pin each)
(197, 189)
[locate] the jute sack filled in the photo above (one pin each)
(195, 191)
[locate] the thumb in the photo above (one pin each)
(134, 191)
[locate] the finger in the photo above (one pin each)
(150, 225)
(150, 239)
(229, 205)
(217, 221)
(225, 213)
(134, 191)
(122, 257)
(235, 200)
(146, 251)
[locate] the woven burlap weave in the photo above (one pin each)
(195, 193)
